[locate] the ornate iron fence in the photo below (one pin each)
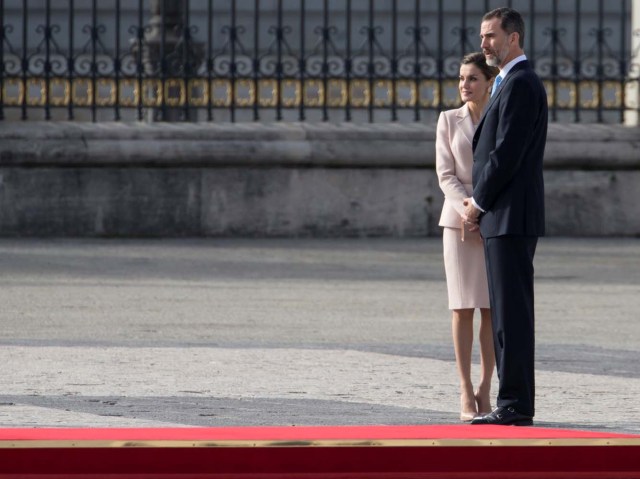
(324, 60)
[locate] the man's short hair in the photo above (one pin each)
(511, 21)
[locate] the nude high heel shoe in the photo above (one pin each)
(466, 414)
(484, 406)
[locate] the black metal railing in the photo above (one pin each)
(297, 60)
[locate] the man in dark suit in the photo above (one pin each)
(508, 205)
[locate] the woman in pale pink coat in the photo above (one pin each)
(463, 250)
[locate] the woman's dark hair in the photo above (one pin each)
(510, 21)
(478, 59)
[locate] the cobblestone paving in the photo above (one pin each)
(283, 332)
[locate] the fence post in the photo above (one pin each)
(632, 93)
(170, 55)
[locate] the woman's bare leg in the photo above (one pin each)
(462, 328)
(487, 362)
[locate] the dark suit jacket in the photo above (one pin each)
(508, 148)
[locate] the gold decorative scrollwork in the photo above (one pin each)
(129, 92)
(245, 92)
(285, 88)
(40, 85)
(616, 88)
(429, 93)
(105, 92)
(268, 93)
(54, 85)
(360, 93)
(217, 86)
(452, 100)
(337, 93)
(152, 92)
(171, 86)
(198, 92)
(570, 89)
(548, 86)
(8, 85)
(82, 91)
(385, 88)
(402, 88)
(314, 93)
(592, 88)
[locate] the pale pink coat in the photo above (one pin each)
(464, 260)
(454, 162)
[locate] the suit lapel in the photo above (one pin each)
(518, 66)
(465, 123)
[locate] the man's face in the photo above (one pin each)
(495, 42)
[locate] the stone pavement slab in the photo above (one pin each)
(293, 332)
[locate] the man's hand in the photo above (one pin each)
(471, 213)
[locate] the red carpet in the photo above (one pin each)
(338, 452)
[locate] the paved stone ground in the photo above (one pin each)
(293, 332)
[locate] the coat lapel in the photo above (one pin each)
(518, 66)
(465, 123)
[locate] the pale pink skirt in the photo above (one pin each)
(465, 269)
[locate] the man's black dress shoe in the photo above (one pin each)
(504, 416)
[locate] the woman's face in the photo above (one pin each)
(473, 85)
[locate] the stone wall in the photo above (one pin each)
(300, 179)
